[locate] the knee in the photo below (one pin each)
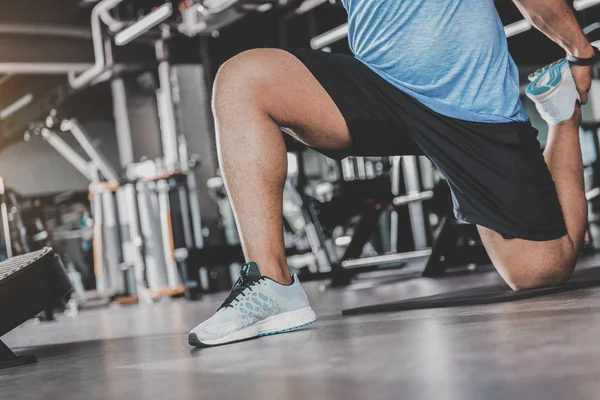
(545, 275)
(245, 73)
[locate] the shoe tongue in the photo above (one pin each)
(250, 272)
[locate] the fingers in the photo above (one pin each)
(583, 81)
(583, 87)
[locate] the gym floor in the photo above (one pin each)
(544, 348)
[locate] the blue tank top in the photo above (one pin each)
(450, 55)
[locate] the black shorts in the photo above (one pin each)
(496, 171)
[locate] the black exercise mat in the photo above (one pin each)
(581, 279)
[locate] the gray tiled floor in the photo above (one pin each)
(546, 348)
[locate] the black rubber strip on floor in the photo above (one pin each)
(585, 278)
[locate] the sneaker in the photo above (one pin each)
(256, 306)
(554, 92)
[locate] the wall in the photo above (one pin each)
(144, 123)
(34, 167)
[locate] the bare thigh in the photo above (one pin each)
(275, 82)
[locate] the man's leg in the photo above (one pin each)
(527, 264)
(255, 94)
(310, 95)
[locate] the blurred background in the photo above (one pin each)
(107, 150)
(107, 155)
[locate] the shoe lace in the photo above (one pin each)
(238, 291)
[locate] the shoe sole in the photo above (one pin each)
(280, 323)
(554, 105)
(556, 81)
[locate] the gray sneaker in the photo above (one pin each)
(256, 306)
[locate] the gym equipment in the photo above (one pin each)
(148, 221)
(368, 193)
(29, 284)
(206, 17)
(168, 206)
(124, 31)
(100, 50)
(107, 244)
(386, 208)
(14, 231)
(167, 229)
(590, 147)
(215, 7)
(145, 225)
(109, 265)
(212, 7)
(582, 279)
(5, 221)
(141, 26)
(454, 243)
(199, 20)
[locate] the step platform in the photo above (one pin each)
(29, 284)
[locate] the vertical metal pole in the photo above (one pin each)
(360, 167)
(370, 169)
(594, 106)
(101, 281)
(121, 116)
(195, 210)
(427, 173)
(192, 203)
(99, 270)
(166, 112)
(347, 168)
(126, 200)
(170, 147)
(128, 222)
(5, 222)
(185, 216)
(183, 154)
(19, 222)
(112, 241)
(415, 209)
(395, 180)
(156, 271)
(137, 242)
(166, 225)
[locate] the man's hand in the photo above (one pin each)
(555, 19)
(583, 81)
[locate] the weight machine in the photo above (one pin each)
(389, 207)
(156, 200)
